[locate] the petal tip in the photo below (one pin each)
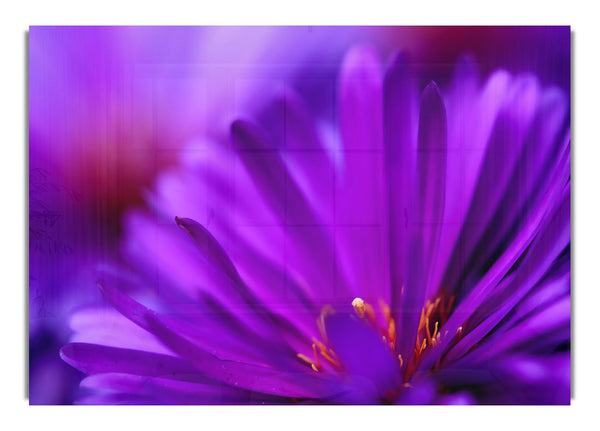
(432, 87)
(399, 59)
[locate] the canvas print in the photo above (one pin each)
(299, 215)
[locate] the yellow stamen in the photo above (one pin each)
(392, 332)
(317, 362)
(427, 329)
(304, 358)
(329, 356)
(401, 361)
(370, 313)
(385, 309)
(328, 309)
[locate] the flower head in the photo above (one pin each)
(416, 251)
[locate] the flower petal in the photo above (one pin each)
(425, 227)
(400, 143)
(431, 174)
(95, 359)
(108, 327)
(289, 383)
(529, 178)
(502, 153)
(168, 391)
(360, 100)
(359, 186)
(367, 360)
(530, 227)
(543, 251)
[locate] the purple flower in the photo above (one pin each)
(415, 252)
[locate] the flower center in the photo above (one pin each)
(434, 314)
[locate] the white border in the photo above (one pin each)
(583, 414)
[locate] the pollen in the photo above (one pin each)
(359, 307)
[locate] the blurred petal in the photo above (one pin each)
(366, 359)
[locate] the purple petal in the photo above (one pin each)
(413, 298)
(168, 391)
(268, 171)
(267, 321)
(555, 286)
(211, 249)
(515, 379)
(360, 100)
(421, 393)
(359, 184)
(531, 227)
(546, 323)
(283, 195)
(503, 151)
(117, 399)
(95, 359)
(431, 173)
(542, 253)
(313, 170)
(400, 119)
(365, 357)
(108, 327)
(529, 178)
(469, 125)
(238, 374)
(431, 166)
(210, 274)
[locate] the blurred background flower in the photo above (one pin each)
(110, 108)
